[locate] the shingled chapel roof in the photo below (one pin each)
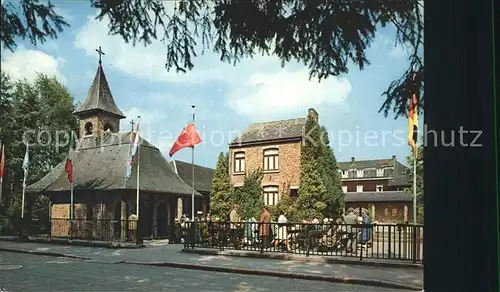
(99, 97)
(203, 175)
(101, 166)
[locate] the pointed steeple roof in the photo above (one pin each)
(99, 97)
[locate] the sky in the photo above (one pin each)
(228, 98)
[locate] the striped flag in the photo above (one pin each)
(413, 124)
(133, 150)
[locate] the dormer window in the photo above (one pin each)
(388, 172)
(380, 172)
(352, 173)
(359, 173)
(369, 172)
(88, 129)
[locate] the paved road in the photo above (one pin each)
(43, 273)
(171, 253)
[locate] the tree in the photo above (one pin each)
(324, 35)
(39, 112)
(249, 196)
(285, 204)
(334, 196)
(420, 181)
(310, 201)
(221, 192)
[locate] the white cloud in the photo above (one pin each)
(264, 96)
(151, 127)
(146, 63)
(65, 13)
(24, 63)
(257, 87)
(147, 119)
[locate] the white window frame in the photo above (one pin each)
(271, 195)
(381, 188)
(380, 172)
(271, 157)
(239, 162)
(344, 189)
(345, 173)
(359, 188)
(360, 173)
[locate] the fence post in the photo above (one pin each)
(389, 241)
(414, 243)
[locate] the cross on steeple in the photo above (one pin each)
(101, 53)
(132, 123)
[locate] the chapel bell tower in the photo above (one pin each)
(98, 113)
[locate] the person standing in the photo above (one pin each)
(264, 226)
(235, 224)
(132, 226)
(351, 220)
(282, 236)
(366, 234)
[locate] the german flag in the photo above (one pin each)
(413, 124)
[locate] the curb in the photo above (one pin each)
(45, 253)
(305, 259)
(302, 276)
(75, 243)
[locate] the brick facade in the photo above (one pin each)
(289, 164)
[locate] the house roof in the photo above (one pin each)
(101, 165)
(399, 176)
(99, 97)
(363, 164)
(203, 175)
(276, 130)
(388, 196)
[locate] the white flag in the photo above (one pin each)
(26, 162)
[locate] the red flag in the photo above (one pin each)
(187, 138)
(2, 162)
(69, 169)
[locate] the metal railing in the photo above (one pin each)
(104, 230)
(374, 241)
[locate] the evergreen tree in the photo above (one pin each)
(310, 201)
(334, 196)
(292, 30)
(221, 192)
(249, 196)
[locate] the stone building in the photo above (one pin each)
(275, 148)
(379, 186)
(102, 192)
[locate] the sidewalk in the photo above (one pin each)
(161, 254)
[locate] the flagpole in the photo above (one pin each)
(72, 207)
(25, 168)
(2, 159)
(138, 167)
(192, 176)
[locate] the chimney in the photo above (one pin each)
(393, 157)
(314, 114)
(352, 159)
